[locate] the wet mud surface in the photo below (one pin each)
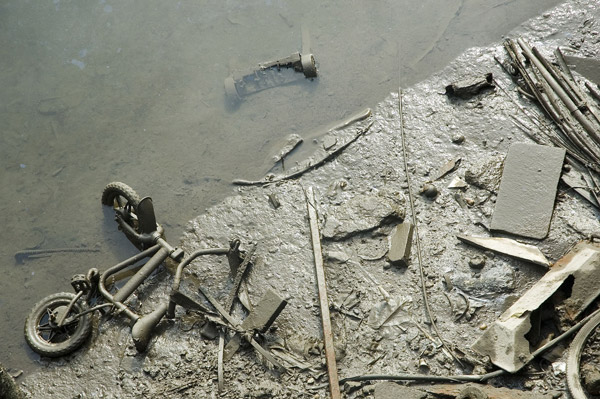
(98, 91)
(361, 196)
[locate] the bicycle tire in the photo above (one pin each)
(117, 189)
(575, 350)
(120, 196)
(59, 341)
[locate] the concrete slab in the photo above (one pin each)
(527, 190)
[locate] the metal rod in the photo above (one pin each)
(183, 264)
(137, 279)
(128, 262)
(334, 385)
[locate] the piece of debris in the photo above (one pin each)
(361, 213)
(329, 142)
(587, 67)
(508, 247)
(458, 183)
(292, 141)
(527, 192)
(458, 139)
(576, 181)
(269, 74)
(334, 386)
(485, 175)
(337, 256)
(505, 341)
(470, 87)
(477, 262)
(236, 325)
(260, 319)
(400, 241)
(429, 190)
(392, 390)
(274, 201)
(449, 167)
(480, 391)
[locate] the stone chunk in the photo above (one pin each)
(528, 189)
(361, 213)
(391, 390)
(400, 241)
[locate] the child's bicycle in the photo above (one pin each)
(60, 323)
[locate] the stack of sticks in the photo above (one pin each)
(574, 111)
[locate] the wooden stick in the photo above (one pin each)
(328, 157)
(334, 385)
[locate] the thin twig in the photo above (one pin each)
(418, 241)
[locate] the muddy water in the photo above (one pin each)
(97, 91)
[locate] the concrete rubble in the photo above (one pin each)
(362, 195)
(510, 340)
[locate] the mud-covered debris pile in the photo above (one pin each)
(378, 315)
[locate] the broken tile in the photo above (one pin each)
(449, 167)
(527, 190)
(505, 343)
(457, 182)
(400, 240)
(508, 247)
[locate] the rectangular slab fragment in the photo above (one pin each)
(400, 240)
(260, 319)
(505, 343)
(527, 190)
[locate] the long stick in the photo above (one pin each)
(334, 385)
(428, 311)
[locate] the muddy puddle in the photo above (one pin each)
(99, 91)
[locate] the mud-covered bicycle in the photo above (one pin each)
(60, 323)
